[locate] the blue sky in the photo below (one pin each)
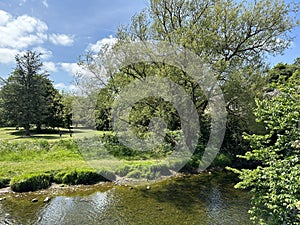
(64, 29)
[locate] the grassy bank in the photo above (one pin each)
(32, 163)
(35, 164)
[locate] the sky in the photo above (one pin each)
(62, 30)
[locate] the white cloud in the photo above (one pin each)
(4, 17)
(61, 39)
(46, 54)
(7, 55)
(45, 3)
(25, 32)
(103, 42)
(21, 32)
(71, 68)
(74, 69)
(50, 66)
(63, 86)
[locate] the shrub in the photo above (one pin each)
(4, 182)
(83, 176)
(134, 174)
(222, 160)
(123, 170)
(107, 175)
(30, 182)
(162, 169)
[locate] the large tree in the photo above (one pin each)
(232, 37)
(25, 93)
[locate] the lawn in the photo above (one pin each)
(11, 133)
(63, 159)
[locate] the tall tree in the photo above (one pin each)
(24, 93)
(233, 37)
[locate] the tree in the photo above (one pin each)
(25, 92)
(232, 37)
(275, 182)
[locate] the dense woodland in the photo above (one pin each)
(234, 38)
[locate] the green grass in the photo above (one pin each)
(24, 163)
(11, 133)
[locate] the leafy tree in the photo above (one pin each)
(233, 37)
(275, 182)
(67, 100)
(55, 111)
(25, 93)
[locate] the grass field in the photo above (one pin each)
(47, 153)
(11, 133)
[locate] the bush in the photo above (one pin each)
(4, 182)
(142, 170)
(107, 175)
(83, 176)
(134, 174)
(30, 182)
(124, 170)
(222, 160)
(162, 169)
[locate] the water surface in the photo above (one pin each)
(198, 199)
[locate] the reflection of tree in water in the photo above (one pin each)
(216, 204)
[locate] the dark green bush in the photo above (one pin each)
(222, 160)
(4, 182)
(134, 174)
(83, 176)
(107, 175)
(30, 182)
(124, 170)
(162, 169)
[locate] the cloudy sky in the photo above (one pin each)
(64, 29)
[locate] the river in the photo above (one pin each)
(196, 199)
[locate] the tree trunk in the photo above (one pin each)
(38, 128)
(27, 130)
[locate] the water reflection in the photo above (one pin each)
(206, 200)
(76, 210)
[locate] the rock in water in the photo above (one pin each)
(47, 199)
(34, 200)
(148, 187)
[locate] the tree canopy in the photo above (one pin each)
(28, 96)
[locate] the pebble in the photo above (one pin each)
(148, 187)
(47, 199)
(34, 200)
(2, 199)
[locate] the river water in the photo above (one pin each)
(198, 199)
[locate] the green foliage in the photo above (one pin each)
(222, 160)
(4, 182)
(147, 170)
(117, 149)
(30, 182)
(29, 98)
(83, 176)
(275, 183)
